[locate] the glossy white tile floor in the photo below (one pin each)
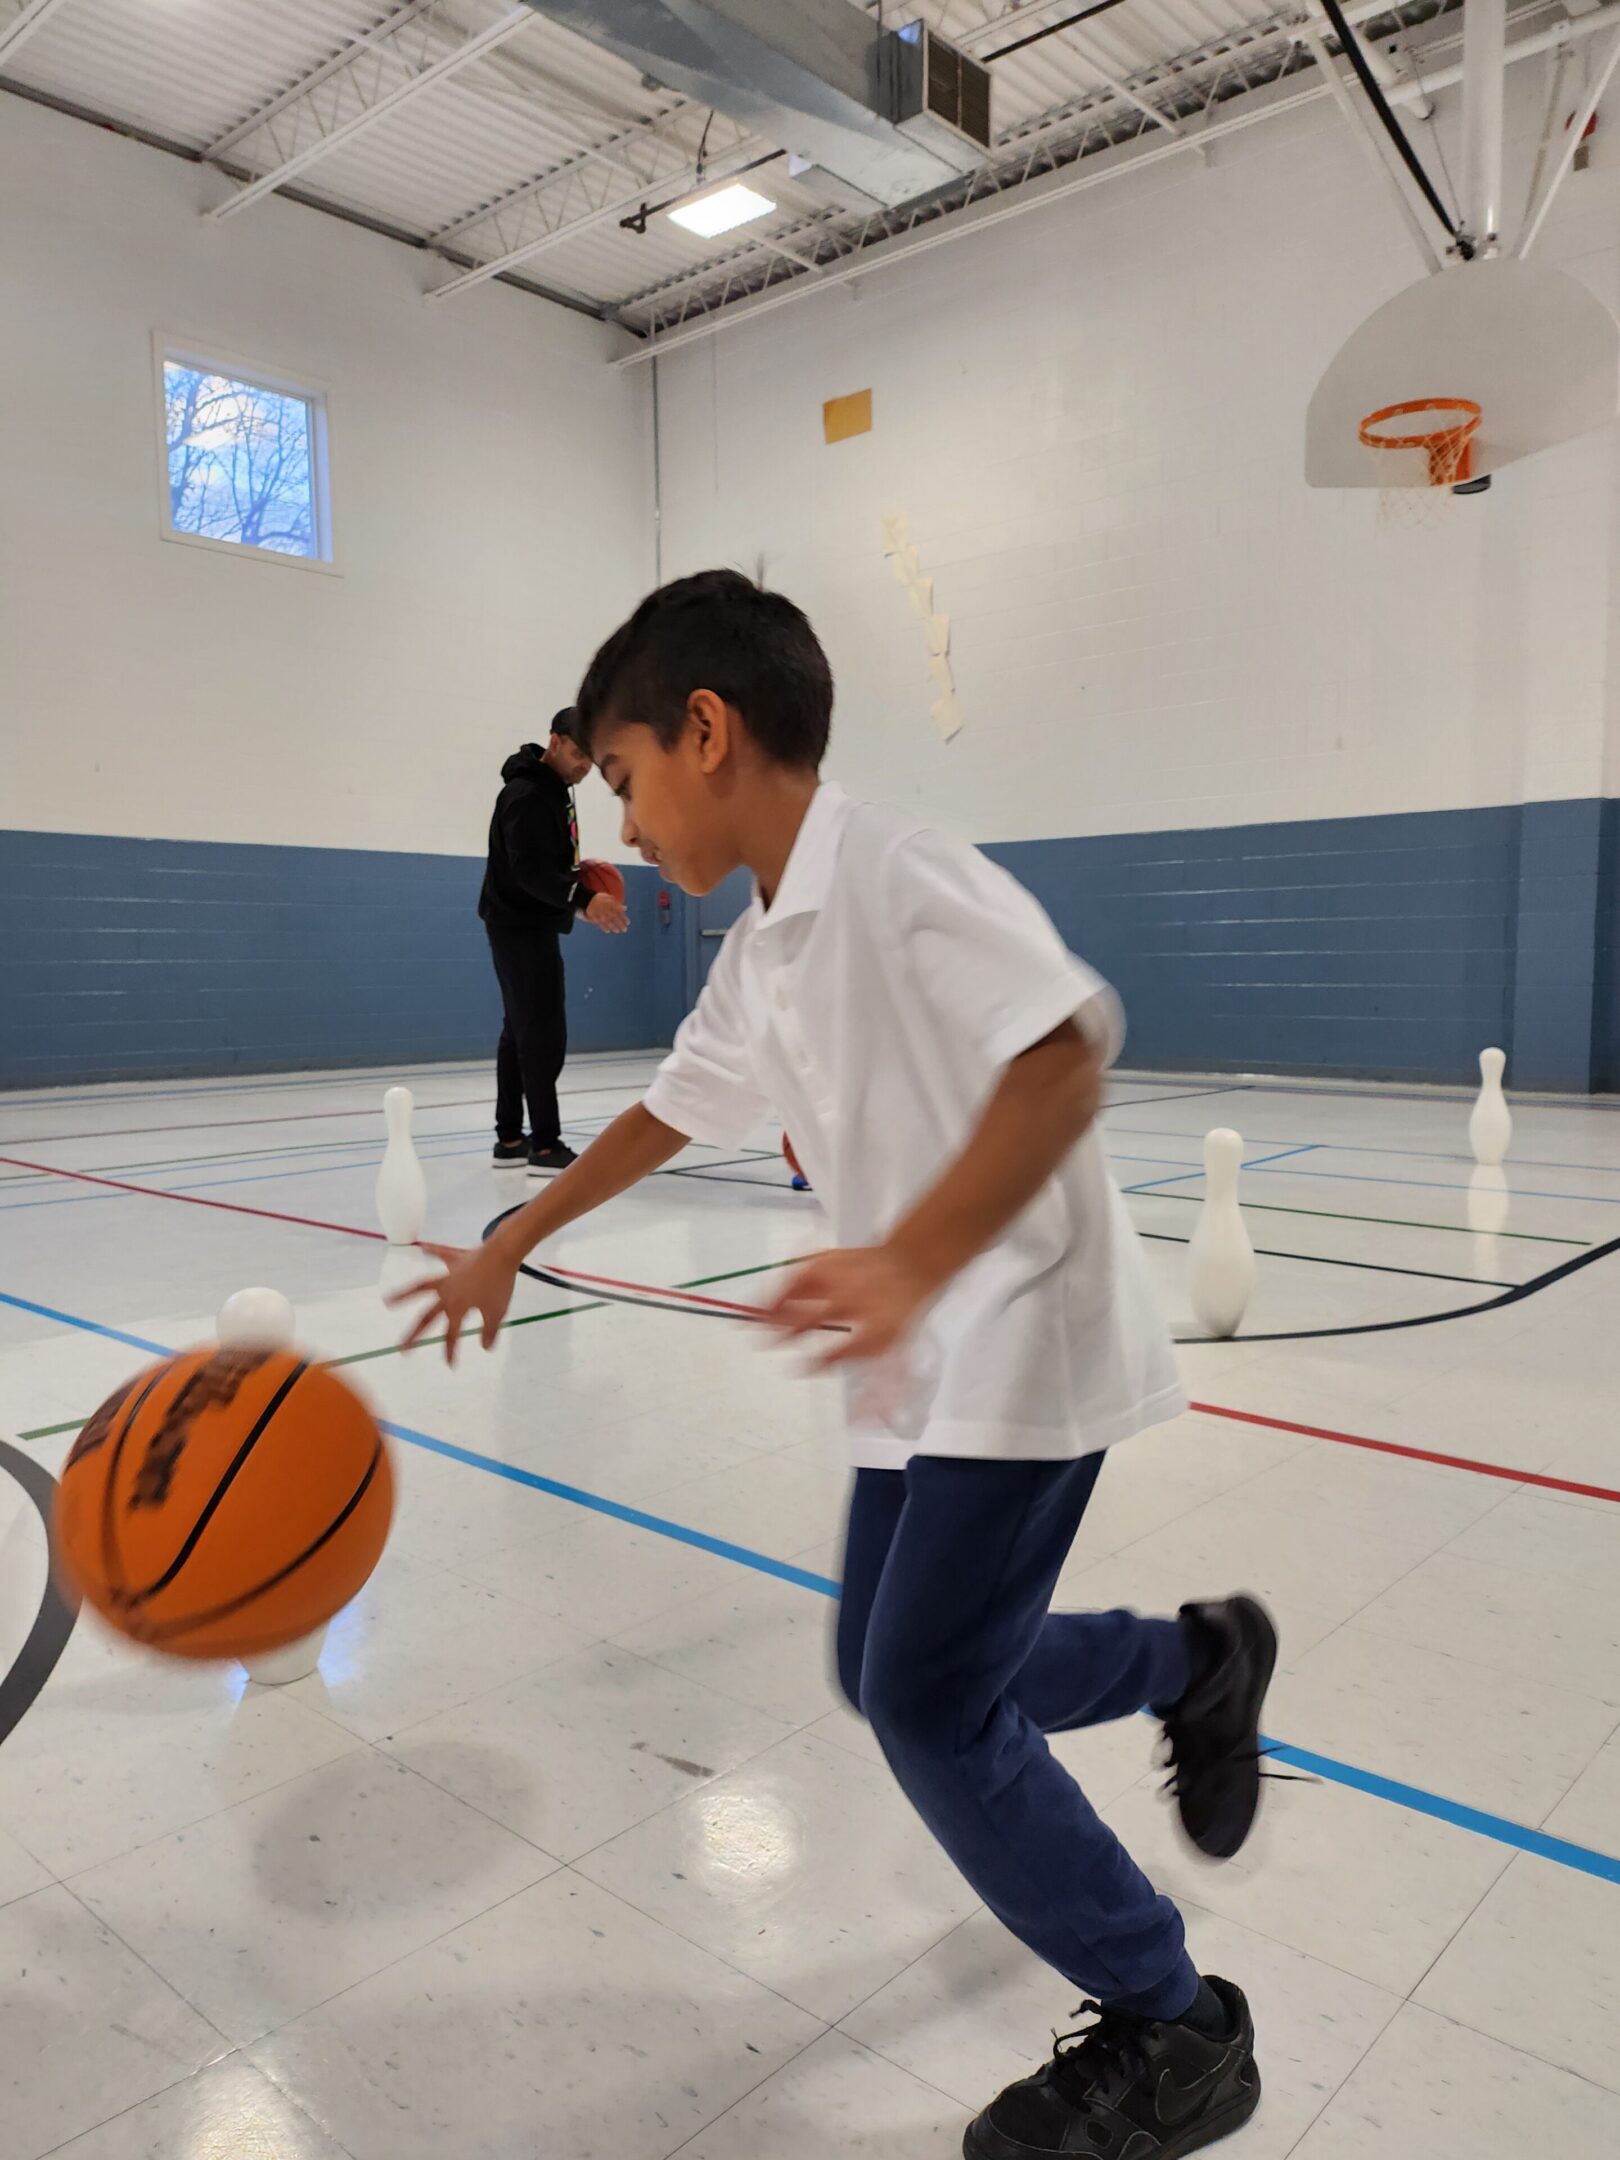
(568, 1851)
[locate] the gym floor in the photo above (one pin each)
(568, 1848)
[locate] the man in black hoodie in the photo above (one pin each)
(530, 898)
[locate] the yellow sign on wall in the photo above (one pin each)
(842, 417)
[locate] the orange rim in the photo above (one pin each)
(1450, 449)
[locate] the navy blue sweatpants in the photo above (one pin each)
(947, 1647)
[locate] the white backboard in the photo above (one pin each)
(1537, 351)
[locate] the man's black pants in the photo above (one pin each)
(534, 1039)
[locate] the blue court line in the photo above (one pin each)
(1515, 1192)
(638, 1518)
(1363, 1147)
(1498, 1828)
(1196, 1170)
(90, 1327)
(1537, 1842)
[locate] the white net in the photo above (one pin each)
(1420, 450)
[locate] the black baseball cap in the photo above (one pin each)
(566, 723)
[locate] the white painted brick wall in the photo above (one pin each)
(492, 506)
(1093, 417)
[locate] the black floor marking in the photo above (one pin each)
(1132, 1102)
(54, 1622)
(702, 1176)
(1510, 1296)
(1375, 1267)
(1457, 1312)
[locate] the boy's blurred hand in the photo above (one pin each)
(480, 1280)
(873, 1291)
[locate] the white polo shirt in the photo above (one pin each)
(874, 1006)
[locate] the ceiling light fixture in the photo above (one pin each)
(722, 210)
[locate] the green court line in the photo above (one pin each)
(557, 1312)
(1391, 1222)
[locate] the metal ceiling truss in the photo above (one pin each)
(415, 48)
(1174, 95)
(613, 180)
(19, 19)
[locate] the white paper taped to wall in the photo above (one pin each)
(939, 634)
(921, 596)
(947, 715)
(940, 669)
(896, 530)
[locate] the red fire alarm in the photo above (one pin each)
(1583, 149)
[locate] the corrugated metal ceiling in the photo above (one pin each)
(523, 125)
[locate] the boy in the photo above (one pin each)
(912, 1016)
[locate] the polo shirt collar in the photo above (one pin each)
(807, 879)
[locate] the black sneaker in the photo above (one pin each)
(1128, 2089)
(510, 1154)
(544, 1160)
(1214, 1730)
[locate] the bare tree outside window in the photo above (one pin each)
(242, 461)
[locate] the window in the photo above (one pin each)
(244, 460)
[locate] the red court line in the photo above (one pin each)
(1414, 1454)
(684, 1297)
(156, 1192)
(1204, 1409)
(754, 1312)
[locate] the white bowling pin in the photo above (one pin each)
(1490, 1128)
(1220, 1260)
(255, 1319)
(401, 1186)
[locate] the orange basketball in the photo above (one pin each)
(602, 877)
(225, 1503)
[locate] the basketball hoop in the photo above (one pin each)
(1417, 469)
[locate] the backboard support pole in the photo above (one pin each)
(1573, 135)
(1484, 75)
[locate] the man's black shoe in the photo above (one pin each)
(543, 1161)
(510, 1154)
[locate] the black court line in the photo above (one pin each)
(1458, 1312)
(1510, 1296)
(53, 1623)
(1373, 1267)
(1165, 1237)
(706, 1176)
(1134, 1102)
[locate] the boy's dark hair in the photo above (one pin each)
(716, 631)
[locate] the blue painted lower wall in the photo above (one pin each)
(1389, 947)
(134, 959)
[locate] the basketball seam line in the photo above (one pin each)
(111, 1558)
(168, 1630)
(133, 1599)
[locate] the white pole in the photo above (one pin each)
(1357, 122)
(1573, 133)
(1484, 70)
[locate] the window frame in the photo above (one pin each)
(311, 392)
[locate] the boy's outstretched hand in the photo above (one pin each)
(477, 1280)
(872, 1291)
